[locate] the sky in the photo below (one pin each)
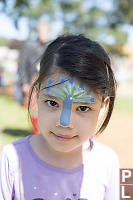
(7, 24)
(7, 29)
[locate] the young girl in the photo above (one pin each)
(75, 94)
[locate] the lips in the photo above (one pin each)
(63, 137)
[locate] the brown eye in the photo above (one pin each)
(83, 108)
(52, 103)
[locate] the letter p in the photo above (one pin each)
(125, 174)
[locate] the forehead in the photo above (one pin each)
(61, 79)
(64, 87)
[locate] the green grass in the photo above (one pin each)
(124, 105)
(14, 122)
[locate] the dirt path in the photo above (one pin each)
(119, 136)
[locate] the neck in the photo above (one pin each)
(44, 151)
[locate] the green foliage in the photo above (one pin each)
(41, 8)
(93, 21)
(78, 16)
(126, 10)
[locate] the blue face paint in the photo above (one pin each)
(69, 91)
(66, 111)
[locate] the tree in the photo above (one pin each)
(125, 9)
(30, 9)
(78, 16)
(105, 26)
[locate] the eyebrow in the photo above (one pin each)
(50, 96)
(55, 98)
(85, 103)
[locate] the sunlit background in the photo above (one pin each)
(109, 22)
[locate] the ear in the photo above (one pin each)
(104, 105)
(106, 101)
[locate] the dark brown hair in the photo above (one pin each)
(83, 59)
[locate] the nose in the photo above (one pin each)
(70, 126)
(66, 113)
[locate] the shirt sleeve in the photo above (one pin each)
(113, 190)
(6, 179)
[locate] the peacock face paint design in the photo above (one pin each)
(65, 87)
(69, 91)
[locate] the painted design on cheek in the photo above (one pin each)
(70, 91)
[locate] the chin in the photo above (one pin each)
(66, 148)
(63, 149)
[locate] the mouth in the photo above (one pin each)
(63, 137)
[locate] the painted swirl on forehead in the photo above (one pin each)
(69, 91)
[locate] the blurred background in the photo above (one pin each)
(28, 25)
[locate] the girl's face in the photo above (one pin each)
(67, 113)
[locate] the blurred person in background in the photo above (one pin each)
(2, 83)
(28, 67)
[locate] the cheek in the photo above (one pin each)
(46, 116)
(45, 121)
(89, 122)
(43, 114)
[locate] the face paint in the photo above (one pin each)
(69, 91)
(66, 111)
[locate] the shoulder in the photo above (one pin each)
(102, 148)
(104, 161)
(11, 152)
(104, 154)
(27, 47)
(15, 145)
(30, 45)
